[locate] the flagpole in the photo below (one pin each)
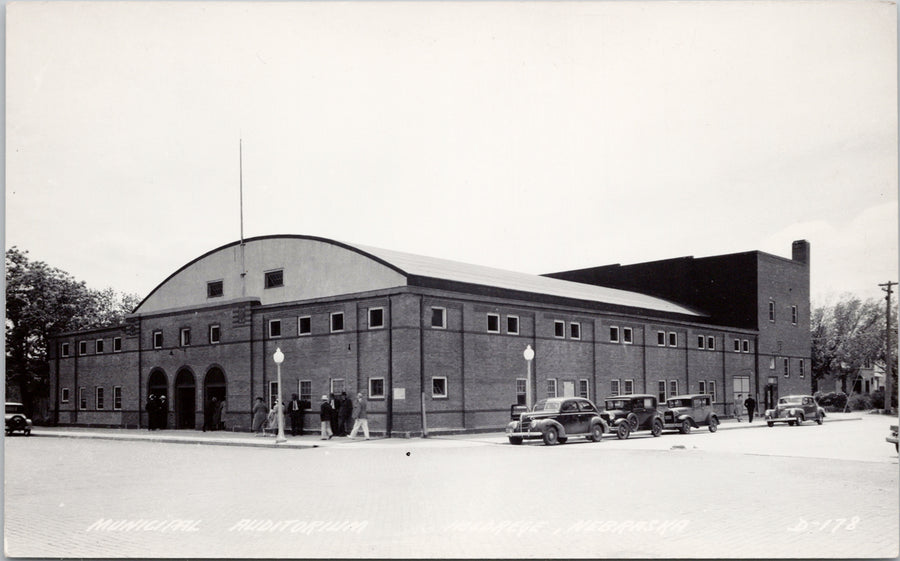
(241, 182)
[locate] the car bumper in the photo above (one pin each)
(891, 439)
(524, 434)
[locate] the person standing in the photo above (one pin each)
(259, 416)
(345, 420)
(325, 415)
(211, 406)
(738, 405)
(335, 403)
(151, 412)
(162, 419)
(750, 404)
(296, 413)
(361, 416)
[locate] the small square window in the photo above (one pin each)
(512, 325)
(575, 330)
(214, 289)
(661, 338)
(305, 389)
(117, 344)
(274, 328)
(701, 342)
(64, 398)
(613, 334)
(629, 387)
(559, 329)
(157, 339)
(98, 346)
(337, 322)
(82, 347)
(185, 337)
(376, 388)
(117, 398)
(745, 345)
(493, 323)
(613, 388)
(274, 279)
(627, 335)
(439, 318)
(673, 387)
(64, 349)
(710, 344)
(673, 339)
(304, 325)
(376, 318)
(737, 345)
(439, 387)
(215, 334)
(551, 387)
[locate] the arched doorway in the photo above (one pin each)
(158, 385)
(185, 400)
(214, 388)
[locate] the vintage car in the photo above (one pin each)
(893, 437)
(16, 419)
(627, 413)
(684, 412)
(794, 409)
(555, 420)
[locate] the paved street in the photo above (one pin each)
(809, 491)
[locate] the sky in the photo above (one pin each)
(528, 136)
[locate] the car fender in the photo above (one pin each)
(601, 422)
(686, 417)
(543, 424)
(712, 416)
(619, 421)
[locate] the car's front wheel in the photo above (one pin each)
(713, 424)
(551, 436)
(623, 431)
(685, 427)
(515, 440)
(770, 423)
(632, 421)
(800, 419)
(657, 428)
(818, 419)
(597, 432)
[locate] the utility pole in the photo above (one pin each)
(888, 371)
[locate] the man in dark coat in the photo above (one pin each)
(335, 403)
(162, 418)
(325, 416)
(345, 422)
(151, 412)
(750, 404)
(295, 410)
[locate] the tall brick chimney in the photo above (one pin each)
(800, 251)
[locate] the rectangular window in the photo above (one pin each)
(629, 387)
(737, 345)
(98, 403)
(794, 315)
(439, 387)
(98, 346)
(305, 389)
(701, 342)
(64, 349)
(157, 339)
(520, 390)
(304, 325)
(575, 330)
(771, 310)
(745, 345)
(117, 344)
(673, 387)
(493, 323)
(82, 347)
(673, 339)
(701, 385)
(337, 322)
(275, 279)
(215, 334)
(439, 318)
(711, 387)
(65, 395)
(559, 329)
(512, 325)
(337, 385)
(583, 388)
(772, 363)
(82, 398)
(613, 334)
(802, 368)
(185, 337)
(376, 388)
(214, 289)
(627, 335)
(273, 392)
(661, 338)
(787, 367)
(661, 391)
(710, 344)
(117, 398)
(551, 387)
(376, 318)
(274, 328)
(613, 388)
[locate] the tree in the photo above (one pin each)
(846, 336)
(42, 300)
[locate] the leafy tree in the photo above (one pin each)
(42, 300)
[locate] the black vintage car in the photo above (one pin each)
(16, 420)
(555, 419)
(627, 413)
(685, 412)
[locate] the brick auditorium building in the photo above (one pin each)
(436, 343)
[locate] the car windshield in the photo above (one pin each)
(618, 403)
(791, 400)
(14, 408)
(679, 403)
(545, 405)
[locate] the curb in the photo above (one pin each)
(177, 440)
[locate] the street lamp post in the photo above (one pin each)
(279, 358)
(529, 356)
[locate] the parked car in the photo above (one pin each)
(555, 420)
(627, 413)
(794, 409)
(685, 412)
(893, 437)
(16, 420)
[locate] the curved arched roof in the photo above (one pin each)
(316, 267)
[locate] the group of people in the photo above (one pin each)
(157, 412)
(336, 413)
(749, 404)
(212, 415)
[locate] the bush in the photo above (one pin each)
(860, 402)
(834, 401)
(878, 398)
